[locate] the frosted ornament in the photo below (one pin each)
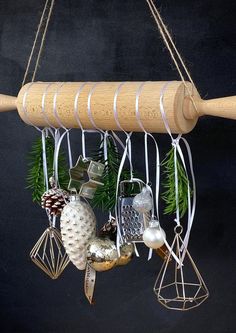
(78, 226)
(143, 202)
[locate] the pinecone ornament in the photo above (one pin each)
(109, 229)
(54, 199)
(78, 226)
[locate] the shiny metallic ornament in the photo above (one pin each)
(101, 254)
(143, 201)
(78, 225)
(132, 223)
(126, 254)
(85, 177)
(154, 236)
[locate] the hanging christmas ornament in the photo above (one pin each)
(105, 196)
(180, 286)
(131, 223)
(154, 236)
(143, 202)
(49, 253)
(85, 177)
(101, 254)
(78, 225)
(54, 199)
(163, 252)
(109, 229)
(126, 254)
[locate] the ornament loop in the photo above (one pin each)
(178, 229)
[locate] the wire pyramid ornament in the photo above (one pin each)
(180, 286)
(49, 253)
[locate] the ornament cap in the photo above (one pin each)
(154, 223)
(74, 197)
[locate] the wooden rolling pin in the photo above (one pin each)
(181, 112)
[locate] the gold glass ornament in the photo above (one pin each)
(49, 253)
(180, 286)
(126, 254)
(101, 254)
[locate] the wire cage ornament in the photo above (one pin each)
(49, 253)
(180, 286)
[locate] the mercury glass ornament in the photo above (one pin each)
(143, 201)
(78, 225)
(101, 254)
(126, 254)
(154, 236)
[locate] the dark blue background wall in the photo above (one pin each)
(117, 40)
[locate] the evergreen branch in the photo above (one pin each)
(35, 177)
(169, 195)
(105, 196)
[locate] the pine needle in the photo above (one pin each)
(169, 185)
(35, 177)
(105, 196)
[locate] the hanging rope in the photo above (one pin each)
(174, 53)
(42, 30)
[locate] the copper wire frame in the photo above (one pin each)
(49, 253)
(179, 294)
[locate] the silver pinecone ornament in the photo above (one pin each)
(78, 225)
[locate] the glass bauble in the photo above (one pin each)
(143, 201)
(154, 236)
(101, 254)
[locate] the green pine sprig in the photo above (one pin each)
(35, 177)
(169, 195)
(105, 195)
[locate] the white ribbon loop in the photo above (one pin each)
(76, 114)
(126, 154)
(157, 185)
(178, 152)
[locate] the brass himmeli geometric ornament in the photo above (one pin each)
(180, 287)
(49, 253)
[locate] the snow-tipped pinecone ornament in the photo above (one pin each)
(54, 199)
(78, 226)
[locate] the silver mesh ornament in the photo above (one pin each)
(180, 287)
